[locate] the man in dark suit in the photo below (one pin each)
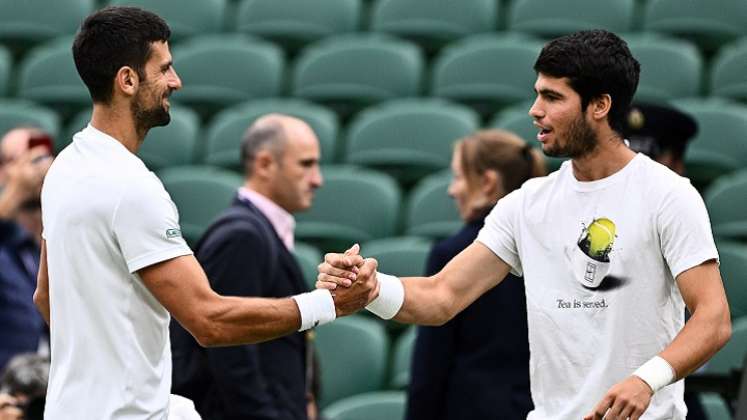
(247, 252)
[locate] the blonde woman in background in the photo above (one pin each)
(476, 366)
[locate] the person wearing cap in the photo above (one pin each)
(661, 132)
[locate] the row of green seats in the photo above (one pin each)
(431, 22)
(349, 72)
(407, 138)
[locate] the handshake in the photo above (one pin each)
(346, 284)
(350, 278)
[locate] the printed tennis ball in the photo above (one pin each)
(601, 236)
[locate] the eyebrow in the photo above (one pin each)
(549, 92)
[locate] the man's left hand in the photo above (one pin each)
(626, 400)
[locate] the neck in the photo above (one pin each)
(117, 122)
(610, 156)
(260, 188)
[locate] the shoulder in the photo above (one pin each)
(240, 225)
(661, 185)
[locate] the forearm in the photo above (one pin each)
(236, 320)
(705, 333)
(425, 303)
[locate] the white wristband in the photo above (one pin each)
(317, 308)
(657, 373)
(391, 296)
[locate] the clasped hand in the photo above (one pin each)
(356, 275)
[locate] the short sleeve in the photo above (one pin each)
(685, 229)
(146, 225)
(499, 232)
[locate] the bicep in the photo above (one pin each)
(702, 285)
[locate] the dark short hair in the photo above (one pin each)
(596, 62)
(112, 38)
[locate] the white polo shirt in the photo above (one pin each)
(105, 217)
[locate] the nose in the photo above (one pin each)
(317, 180)
(452, 189)
(175, 83)
(535, 111)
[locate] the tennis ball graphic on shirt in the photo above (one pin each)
(599, 239)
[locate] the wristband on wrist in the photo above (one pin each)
(391, 296)
(316, 308)
(657, 373)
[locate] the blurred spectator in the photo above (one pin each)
(661, 132)
(476, 366)
(247, 252)
(25, 156)
(23, 387)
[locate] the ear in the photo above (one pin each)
(264, 164)
(491, 183)
(600, 106)
(127, 81)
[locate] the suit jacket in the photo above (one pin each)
(21, 325)
(243, 256)
(475, 366)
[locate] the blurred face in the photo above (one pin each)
(297, 174)
(469, 199)
(563, 128)
(12, 145)
(150, 107)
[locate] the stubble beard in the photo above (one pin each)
(580, 141)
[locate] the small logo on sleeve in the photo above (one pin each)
(173, 233)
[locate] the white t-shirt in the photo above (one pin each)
(106, 216)
(644, 225)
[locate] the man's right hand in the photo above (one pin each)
(358, 276)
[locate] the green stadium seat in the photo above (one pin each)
(430, 211)
(308, 258)
(486, 71)
(710, 24)
(174, 144)
(200, 194)
(733, 259)
(227, 128)
(349, 72)
(670, 68)
(295, 23)
(19, 113)
(433, 23)
(352, 354)
(399, 376)
(219, 71)
(408, 138)
(719, 146)
(353, 205)
(61, 88)
(384, 405)
(726, 200)
(185, 17)
(517, 120)
(728, 75)
(25, 22)
(715, 407)
(731, 356)
(5, 66)
(554, 18)
(171, 145)
(401, 256)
